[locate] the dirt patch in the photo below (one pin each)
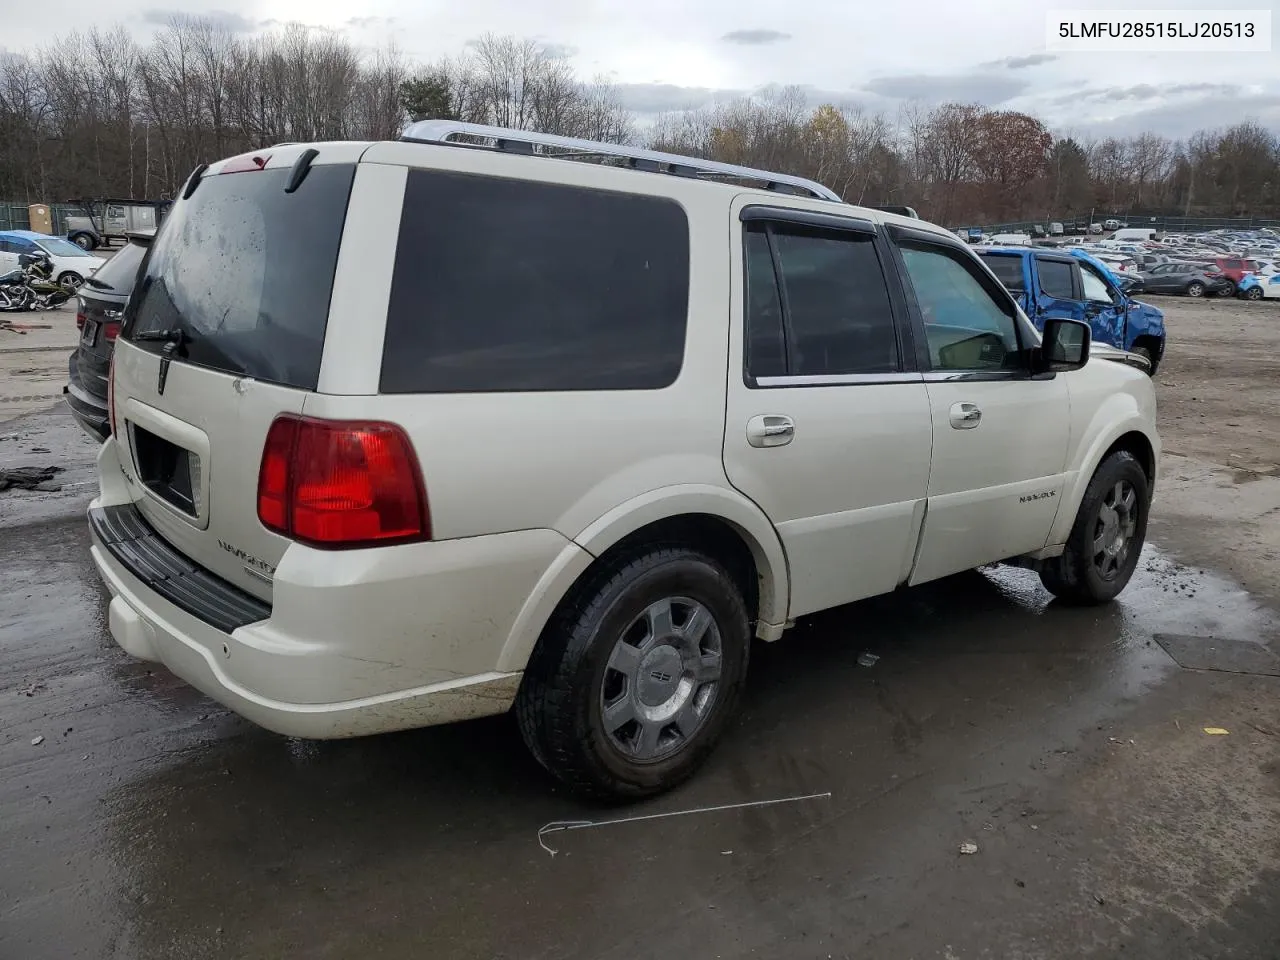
(1219, 384)
(1218, 497)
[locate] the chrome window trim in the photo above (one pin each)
(838, 379)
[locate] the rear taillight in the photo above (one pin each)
(111, 392)
(80, 316)
(341, 483)
(111, 330)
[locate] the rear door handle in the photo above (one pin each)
(965, 416)
(770, 430)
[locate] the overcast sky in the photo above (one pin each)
(677, 54)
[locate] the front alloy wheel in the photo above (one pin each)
(1113, 529)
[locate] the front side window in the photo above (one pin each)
(969, 326)
(1095, 288)
(831, 297)
(512, 285)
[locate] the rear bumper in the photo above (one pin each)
(354, 643)
(90, 411)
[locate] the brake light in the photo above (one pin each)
(341, 483)
(111, 392)
(80, 319)
(111, 330)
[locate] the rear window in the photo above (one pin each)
(1008, 270)
(244, 271)
(118, 274)
(512, 285)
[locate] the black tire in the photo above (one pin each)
(1229, 290)
(84, 241)
(1195, 289)
(1075, 576)
(1145, 353)
(560, 706)
(1253, 293)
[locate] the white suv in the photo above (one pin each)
(410, 432)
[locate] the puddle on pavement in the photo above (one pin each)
(189, 832)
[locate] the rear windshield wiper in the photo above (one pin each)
(163, 336)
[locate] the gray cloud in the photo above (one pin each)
(667, 97)
(362, 22)
(559, 51)
(234, 22)
(1180, 120)
(755, 38)
(1020, 63)
(987, 89)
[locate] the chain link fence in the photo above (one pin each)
(15, 216)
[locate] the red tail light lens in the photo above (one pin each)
(335, 483)
(80, 318)
(111, 330)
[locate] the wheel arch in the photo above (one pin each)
(1131, 434)
(722, 522)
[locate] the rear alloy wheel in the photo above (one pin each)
(636, 676)
(1195, 289)
(70, 281)
(1229, 290)
(83, 241)
(1106, 539)
(1253, 293)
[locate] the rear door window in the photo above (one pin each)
(510, 285)
(1007, 269)
(244, 271)
(1055, 279)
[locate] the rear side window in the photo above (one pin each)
(1008, 270)
(244, 271)
(1055, 279)
(117, 274)
(513, 285)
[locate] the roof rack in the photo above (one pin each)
(902, 211)
(653, 161)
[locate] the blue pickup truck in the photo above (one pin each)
(1072, 284)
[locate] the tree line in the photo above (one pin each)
(99, 114)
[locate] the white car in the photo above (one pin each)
(518, 430)
(71, 265)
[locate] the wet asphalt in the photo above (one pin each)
(1066, 744)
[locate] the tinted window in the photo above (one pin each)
(765, 347)
(1008, 269)
(513, 285)
(839, 320)
(968, 325)
(1095, 288)
(118, 273)
(1055, 278)
(245, 271)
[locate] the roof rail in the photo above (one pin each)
(653, 161)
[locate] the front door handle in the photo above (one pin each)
(770, 430)
(965, 416)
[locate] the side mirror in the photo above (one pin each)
(1063, 346)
